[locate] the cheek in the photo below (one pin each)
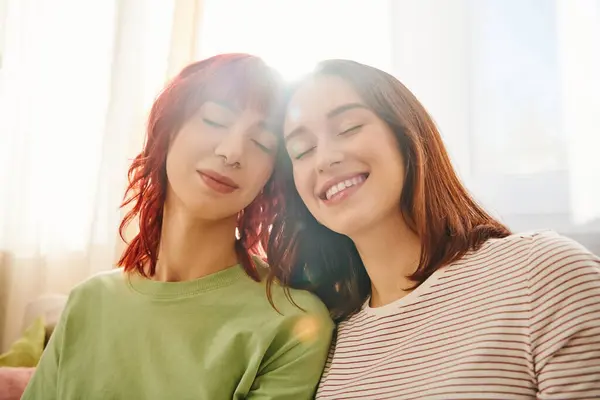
(265, 173)
(390, 177)
(184, 149)
(176, 160)
(380, 150)
(194, 142)
(304, 183)
(258, 174)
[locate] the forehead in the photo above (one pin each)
(317, 97)
(245, 110)
(240, 89)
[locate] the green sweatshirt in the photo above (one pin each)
(122, 336)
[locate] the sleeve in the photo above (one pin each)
(44, 382)
(293, 369)
(564, 283)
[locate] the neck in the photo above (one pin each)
(390, 252)
(191, 248)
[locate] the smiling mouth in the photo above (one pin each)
(343, 189)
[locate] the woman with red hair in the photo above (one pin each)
(436, 298)
(190, 315)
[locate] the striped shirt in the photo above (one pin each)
(517, 319)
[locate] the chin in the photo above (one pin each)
(208, 210)
(344, 226)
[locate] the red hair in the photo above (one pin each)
(239, 79)
(436, 206)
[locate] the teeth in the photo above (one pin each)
(333, 190)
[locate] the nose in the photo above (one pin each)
(328, 157)
(231, 149)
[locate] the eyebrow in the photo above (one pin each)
(226, 105)
(266, 124)
(344, 108)
(295, 132)
(331, 114)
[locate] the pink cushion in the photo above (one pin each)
(13, 382)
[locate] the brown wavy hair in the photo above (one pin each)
(436, 206)
(239, 79)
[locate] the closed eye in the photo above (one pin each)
(213, 123)
(262, 146)
(352, 129)
(305, 152)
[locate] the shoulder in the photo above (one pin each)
(295, 299)
(539, 250)
(85, 298)
(550, 250)
(299, 307)
(292, 323)
(288, 301)
(516, 242)
(288, 313)
(93, 289)
(105, 280)
(536, 240)
(563, 281)
(303, 318)
(530, 258)
(533, 244)
(555, 259)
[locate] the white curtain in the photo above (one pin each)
(514, 86)
(76, 83)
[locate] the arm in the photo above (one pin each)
(292, 372)
(564, 282)
(43, 384)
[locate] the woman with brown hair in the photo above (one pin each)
(435, 298)
(189, 316)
